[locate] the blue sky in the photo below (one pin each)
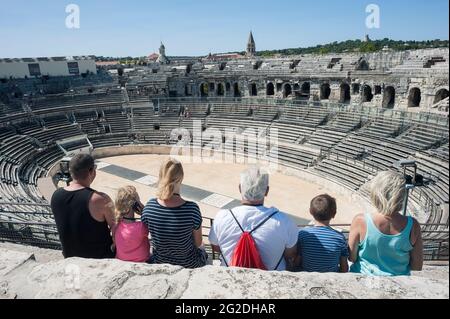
(197, 27)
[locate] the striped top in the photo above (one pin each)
(321, 249)
(171, 233)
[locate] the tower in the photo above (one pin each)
(251, 46)
(162, 50)
(162, 55)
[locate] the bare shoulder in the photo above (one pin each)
(100, 199)
(358, 220)
(416, 228)
(416, 223)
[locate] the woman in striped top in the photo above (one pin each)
(175, 225)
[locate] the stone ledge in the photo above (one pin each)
(21, 276)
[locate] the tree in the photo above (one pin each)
(367, 47)
(358, 46)
(324, 50)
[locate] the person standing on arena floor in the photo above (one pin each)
(84, 217)
(273, 232)
(386, 243)
(175, 225)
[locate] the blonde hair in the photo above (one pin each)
(170, 174)
(387, 192)
(126, 198)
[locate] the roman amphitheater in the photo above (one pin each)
(318, 123)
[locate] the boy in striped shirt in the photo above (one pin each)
(320, 247)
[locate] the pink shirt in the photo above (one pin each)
(132, 242)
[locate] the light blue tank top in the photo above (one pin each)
(384, 255)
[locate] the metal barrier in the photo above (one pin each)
(45, 235)
(435, 249)
(373, 112)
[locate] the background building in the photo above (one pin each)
(55, 66)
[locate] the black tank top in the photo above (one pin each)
(80, 234)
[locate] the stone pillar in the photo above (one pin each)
(314, 92)
(335, 94)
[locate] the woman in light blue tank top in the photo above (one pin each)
(384, 255)
(397, 248)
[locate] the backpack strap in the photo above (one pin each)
(225, 261)
(221, 254)
(258, 226)
(279, 262)
(276, 267)
(242, 229)
(264, 221)
(223, 257)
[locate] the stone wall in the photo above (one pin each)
(399, 71)
(35, 273)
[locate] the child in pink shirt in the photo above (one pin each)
(131, 236)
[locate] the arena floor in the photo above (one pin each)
(214, 186)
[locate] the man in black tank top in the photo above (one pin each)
(84, 217)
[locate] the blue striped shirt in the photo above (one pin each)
(321, 249)
(171, 233)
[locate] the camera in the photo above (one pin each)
(64, 165)
(411, 181)
(64, 172)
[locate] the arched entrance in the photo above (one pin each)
(389, 97)
(297, 90)
(287, 90)
(270, 91)
(414, 98)
(236, 90)
(305, 90)
(442, 94)
(325, 91)
(188, 90)
(204, 89)
(253, 90)
(220, 89)
(345, 94)
(367, 95)
(377, 89)
(363, 65)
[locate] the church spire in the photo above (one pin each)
(162, 55)
(251, 46)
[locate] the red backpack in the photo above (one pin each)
(246, 254)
